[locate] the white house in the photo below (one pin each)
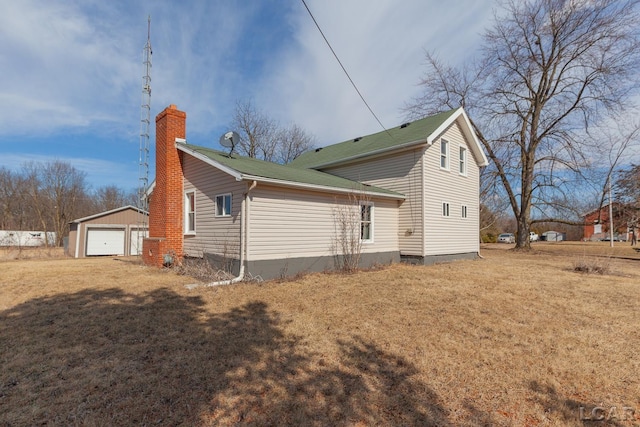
(415, 187)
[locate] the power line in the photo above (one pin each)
(344, 69)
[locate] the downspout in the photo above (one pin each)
(78, 239)
(244, 241)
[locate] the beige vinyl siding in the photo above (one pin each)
(453, 234)
(401, 172)
(288, 223)
(215, 235)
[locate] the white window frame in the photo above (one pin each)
(446, 209)
(463, 161)
(464, 211)
(444, 154)
(226, 210)
(189, 214)
(371, 222)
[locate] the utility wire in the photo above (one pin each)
(344, 69)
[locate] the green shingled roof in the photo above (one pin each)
(251, 168)
(417, 131)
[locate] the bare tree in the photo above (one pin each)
(627, 192)
(292, 141)
(64, 187)
(263, 138)
(549, 71)
(257, 132)
(11, 194)
(54, 193)
(112, 197)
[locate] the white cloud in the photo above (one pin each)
(381, 45)
(74, 68)
(61, 68)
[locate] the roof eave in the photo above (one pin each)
(109, 212)
(467, 129)
(375, 153)
(239, 176)
(182, 146)
(324, 188)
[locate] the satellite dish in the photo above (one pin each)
(229, 140)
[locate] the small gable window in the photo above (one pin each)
(223, 205)
(444, 154)
(464, 211)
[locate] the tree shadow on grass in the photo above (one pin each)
(574, 412)
(113, 358)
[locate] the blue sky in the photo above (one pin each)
(72, 70)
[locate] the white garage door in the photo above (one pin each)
(105, 241)
(136, 241)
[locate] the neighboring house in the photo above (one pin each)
(415, 189)
(116, 232)
(597, 224)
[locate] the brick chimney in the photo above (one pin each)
(166, 203)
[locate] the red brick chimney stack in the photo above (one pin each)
(165, 206)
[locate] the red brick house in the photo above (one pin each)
(597, 223)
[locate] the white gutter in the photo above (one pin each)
(244, 241)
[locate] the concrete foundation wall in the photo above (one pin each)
(281, 268)
(435, 259)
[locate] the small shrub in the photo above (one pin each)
(592, 265)
(200, 269)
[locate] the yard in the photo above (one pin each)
(511, 339)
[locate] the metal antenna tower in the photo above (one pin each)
(145, 121)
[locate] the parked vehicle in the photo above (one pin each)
(506, 238)
(533, 237)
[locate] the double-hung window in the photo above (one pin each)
(190, 212)
(366, 222)
(463, 161)
(223, 205)
(444, 154)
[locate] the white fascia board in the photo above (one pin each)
(98, 215)
(321, 187)
(234, 173)
(467, 129)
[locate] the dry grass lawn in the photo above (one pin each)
(511, 339)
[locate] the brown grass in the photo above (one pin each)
(12, 252)
(513, 339)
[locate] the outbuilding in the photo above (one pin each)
(116, 232)
(553, 236)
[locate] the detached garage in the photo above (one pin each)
(115, 232)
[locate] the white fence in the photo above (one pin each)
(27, 238)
